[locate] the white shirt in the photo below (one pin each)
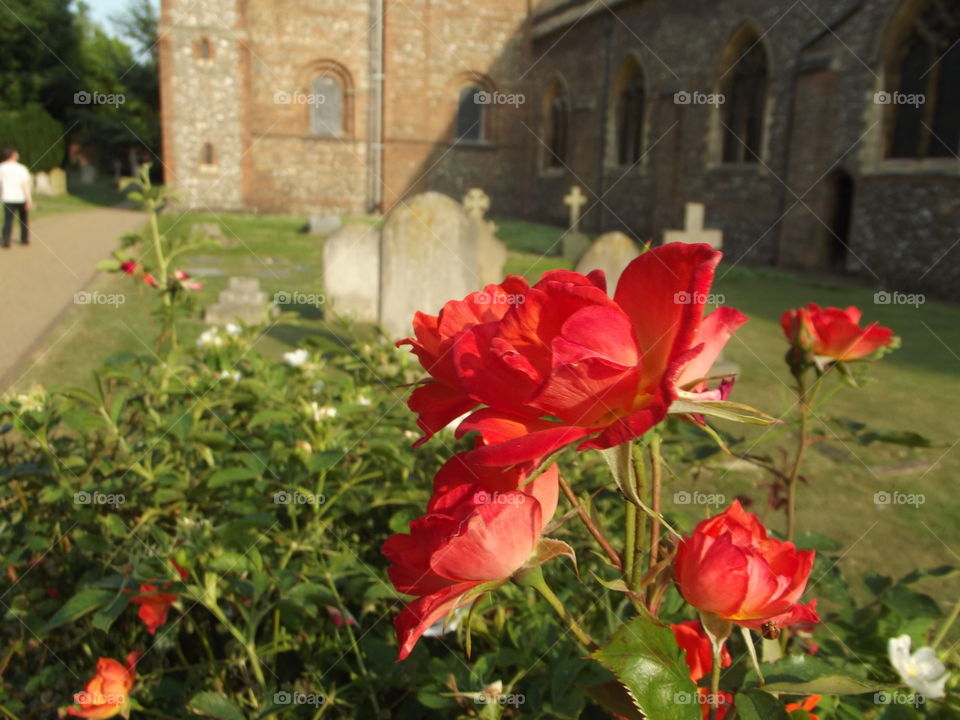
(13, 177)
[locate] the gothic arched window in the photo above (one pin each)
(745, 98)
(628, 113)
(471, 113)
(924, 86)
(326, 106)
(556, 123)
(207, 155)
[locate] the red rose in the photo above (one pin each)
(442, 399)
(564, 362)
(470, 536)
(106, 694)
(730, 568)
(697, 650)
(833, 333)
(154, 606)
(725, 702)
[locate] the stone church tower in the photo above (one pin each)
(204, 67)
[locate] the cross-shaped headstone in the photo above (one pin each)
(693, 231)
(575, 200)
(476, 203)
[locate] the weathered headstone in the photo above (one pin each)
(693, 231)
(351, 271)
(324, 224)
(88, 174)
(491, 251)
(42, 185)
(574, 243)
(242, 300)
(428, 255)
(58, 181)
(611, 252)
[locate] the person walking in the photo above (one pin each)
(15, 195)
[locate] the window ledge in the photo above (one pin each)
(552, 172)
(910, 166)
(473, 144)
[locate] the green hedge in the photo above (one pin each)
(36, 134)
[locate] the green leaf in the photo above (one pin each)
(106, 617)
(614, 697)
(268, 416)
(85, 601)
(231, 475)
(215, 705)
(645, 658)
(816, 541)
(725, 410)
(111, 265)
(910, 604)
(759, 705)
(806, 675)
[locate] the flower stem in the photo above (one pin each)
(751, 648)
(534, 578)
(794, 474)
(715, 678)
(655, 482)
(591, 525)
(948, 623)
(640, 530)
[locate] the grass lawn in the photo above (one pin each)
(103, 192)
(912, 388)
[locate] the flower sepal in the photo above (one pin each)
(548, 549)
(723, 409)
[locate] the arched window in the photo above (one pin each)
(557, 112)
(471, 112)
(628, 113)
(745, 98)
(204, 49)
(924, 82)
(207, 156)
(326, 106)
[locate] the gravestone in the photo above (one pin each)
(611, 252)
(88, 174)
(214, 231)
(243, 300)
(58, 181)
(324, 224)
(351, 271)
(693, 231)
(428, 255)
(491, 251)
(42, 185)
(574, 243)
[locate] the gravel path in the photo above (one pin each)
(38, 281)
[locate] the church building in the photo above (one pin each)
(819, 134)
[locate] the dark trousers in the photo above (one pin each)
(8, 211)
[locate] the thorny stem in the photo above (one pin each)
(805, 397)
(591, 525)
